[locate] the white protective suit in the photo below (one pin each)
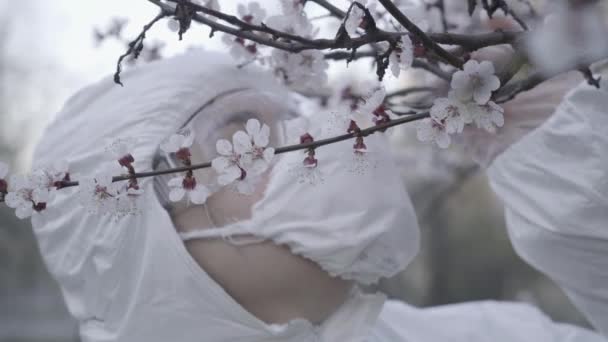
(133, 280)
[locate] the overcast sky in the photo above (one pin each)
(52, 54)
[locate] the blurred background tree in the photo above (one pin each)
(31, 306)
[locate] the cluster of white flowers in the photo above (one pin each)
(467, 102)
(29, 194)
(240, 49)
(248, 156)
(180, 144)
(301, 71)
(402, 56)
(240, 163)
(99, 194)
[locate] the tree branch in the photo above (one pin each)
(136, 46)
(418, 33)
(280, 150)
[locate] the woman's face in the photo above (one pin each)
(227, 205)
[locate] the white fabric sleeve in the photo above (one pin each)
(554, 184)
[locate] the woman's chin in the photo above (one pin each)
(269, 281)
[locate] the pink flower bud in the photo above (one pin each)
(183, 154)
(359, 145)
(353, 127)
(310, 161)
(189, 182)
(38, 207)
(126, 160)
(3, 186)
(306, 138)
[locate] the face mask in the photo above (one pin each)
(350, 214)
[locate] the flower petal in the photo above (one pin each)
(268, 154)
(41, 195)
(176, 194)
(188, 140)
(252, 127)
(24, 211)
(443, 139)
(393, 61)
(492, 82)
(439, 109)
(424, 130)
(242, 142)
(486, 68)
(199, 194)
(223, 147)
(13, 200)
(176, 182)
(220, 164)
(472, 66)
(229, 175)
(262, 138)
(245, 187)
(482, 96)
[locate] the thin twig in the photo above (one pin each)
(408, 91)
(280, 150)
(418, 33)
(417, 63)
(136, 45)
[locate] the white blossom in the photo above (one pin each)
(100, 195)
(253, 13)
(238, 48)
(261, 154)
(476, 82)
(354, 19)
(22, 196)
(306, 70)
(182, 186)
(431, 130)
(290, 7)
(177, 142)
(451, 111)
(31, 193)
(293, 20)
(402, 56)
(232, 160)
(488, 116)
(372, 103)
(246, 158)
